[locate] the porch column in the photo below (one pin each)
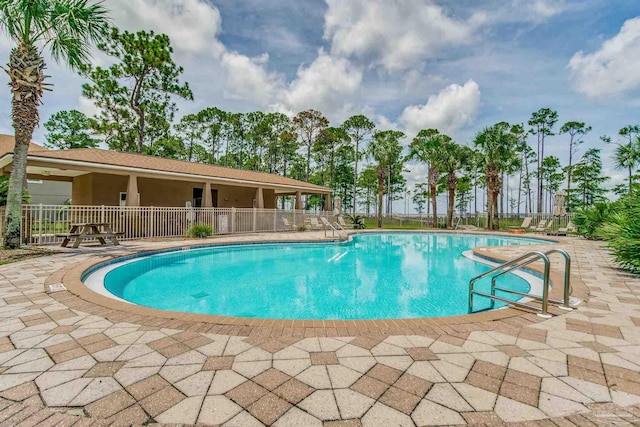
(206, 196)
(259, 198)
(132, 191)
(327, 202)
(298, 200)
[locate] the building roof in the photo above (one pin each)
(7, 143)
(150, 163)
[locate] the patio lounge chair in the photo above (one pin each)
(313, 222)
(287, 224)
(570, 228)
(526, 223)
(543, 226)
(343, 224)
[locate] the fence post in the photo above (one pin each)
(102, 214)
(255, 218)
(40, 224)
(152, 222)
(275, 220)
(233, 220)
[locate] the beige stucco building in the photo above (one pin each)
(110, 178)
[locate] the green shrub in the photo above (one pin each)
(619, 224)
(302, 228)
(622, 230)
(199, 230)
(357, 220)
(589, 220)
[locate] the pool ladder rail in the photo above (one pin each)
(335, 229)
(519, 263)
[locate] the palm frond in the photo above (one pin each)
(66, 26)
(69, 49)
(12, 20)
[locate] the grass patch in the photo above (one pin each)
(8, 256)
(395, 224)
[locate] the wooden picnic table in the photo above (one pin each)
(90, 230)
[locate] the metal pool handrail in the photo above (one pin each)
(510, 266)
(564, 302)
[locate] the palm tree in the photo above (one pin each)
(453, 158)
(627, 156)
(383, 148)
(66, 27)
(427, 147)
(497, 148)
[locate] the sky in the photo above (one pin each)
(457, 66)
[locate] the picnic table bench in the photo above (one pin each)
(92, 230)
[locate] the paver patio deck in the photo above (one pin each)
(66, 361)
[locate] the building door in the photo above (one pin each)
(197, 197)
(214, 198)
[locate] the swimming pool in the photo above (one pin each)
(373, 276)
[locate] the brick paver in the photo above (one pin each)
(131, 368)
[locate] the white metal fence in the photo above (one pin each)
(477, 220)
(45, 224)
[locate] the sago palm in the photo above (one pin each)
(64, 27)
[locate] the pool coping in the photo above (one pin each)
(82, 298)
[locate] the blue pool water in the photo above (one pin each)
(374, 276)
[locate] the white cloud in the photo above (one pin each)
(447, 111)
(247, 78)
(87, 106)
(519, 11)
(323, 84)
(535, 11)
(192, 25)
(612, 69)
(542, 8)
(396, 34)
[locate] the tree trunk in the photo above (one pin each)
(493, 188)
(497, 191)
(308, 162)
(452, 195)
(502, 197)
(489, 205)
(433, 183)
(569, 170)
(389, 194)
(519, 190)
(539, 175)
(135, 105)
(452, 183)
(380, 191)
(25, 65)
(15, 192)
(355, 177)
(475, 196)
